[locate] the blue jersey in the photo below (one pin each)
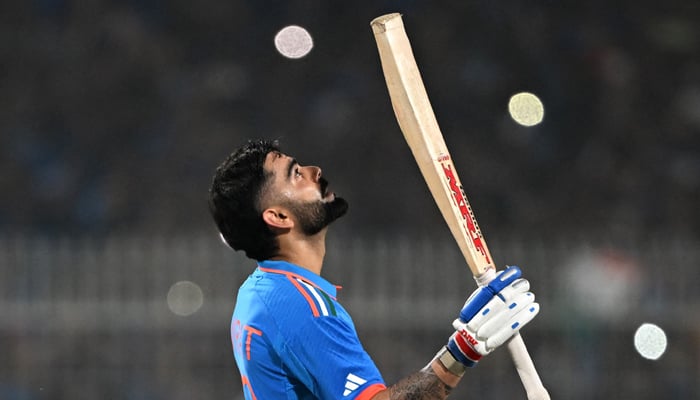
(293, 340)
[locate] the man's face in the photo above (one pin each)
(304, 192)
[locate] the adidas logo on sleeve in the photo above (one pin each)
(352, 382)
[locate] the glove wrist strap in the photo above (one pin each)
(450, 362)
(486, 277)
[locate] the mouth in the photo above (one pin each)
(325, 193)
(329, 196)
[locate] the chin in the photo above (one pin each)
(336, 209)
(315, 217)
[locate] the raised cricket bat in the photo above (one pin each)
(420, 128)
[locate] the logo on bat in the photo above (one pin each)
(466, 210)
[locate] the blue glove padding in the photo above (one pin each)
(491, 316)
(484, 294)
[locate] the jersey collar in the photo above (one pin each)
(285, 268)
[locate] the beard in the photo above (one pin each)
(314, 216)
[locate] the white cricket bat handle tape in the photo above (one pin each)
(518, 353)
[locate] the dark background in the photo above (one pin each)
(114, 115)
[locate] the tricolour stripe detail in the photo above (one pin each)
(331, 306)
(303, 292)
(293, 275)
(313, 288)
(321, 303)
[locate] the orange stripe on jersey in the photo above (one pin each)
(293, 275)
(301, 290)
(370, 391)
(251, 331)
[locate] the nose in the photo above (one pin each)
(316, 173)
(312, 172)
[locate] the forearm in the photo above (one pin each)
(434, 382)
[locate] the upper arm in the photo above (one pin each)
(328, 352)
(318, 343)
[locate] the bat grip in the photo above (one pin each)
(526, 369)
(518, 353)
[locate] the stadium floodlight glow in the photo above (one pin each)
(293, 42)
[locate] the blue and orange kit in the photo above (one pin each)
(293, 340)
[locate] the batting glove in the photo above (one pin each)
(491, 316)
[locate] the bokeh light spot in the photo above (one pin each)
(293, 42)
(526, 109)
(650, 341)
(185, 298)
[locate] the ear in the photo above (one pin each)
(277, 218)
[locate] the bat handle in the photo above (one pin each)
(518, 353)
(526, 369)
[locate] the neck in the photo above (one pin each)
(305, 251)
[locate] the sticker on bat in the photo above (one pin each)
(443, 157)
(466, 210)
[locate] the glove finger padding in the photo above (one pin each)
(505, 323)
(507, 331)
(514, 289)
(502, 312)
(493, 308)
(490, 311)
(500, 323)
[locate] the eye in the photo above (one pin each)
(297, 172)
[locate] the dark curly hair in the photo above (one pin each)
(234, 200)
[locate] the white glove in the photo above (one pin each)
(491, 316)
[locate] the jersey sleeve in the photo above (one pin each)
(327, 356)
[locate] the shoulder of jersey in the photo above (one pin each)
(293, 290)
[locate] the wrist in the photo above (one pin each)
(446, 368)
(462, 345)
(450, 362)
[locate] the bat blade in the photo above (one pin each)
(419, 126)
(420, 129)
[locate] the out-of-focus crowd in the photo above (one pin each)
(113, 114)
